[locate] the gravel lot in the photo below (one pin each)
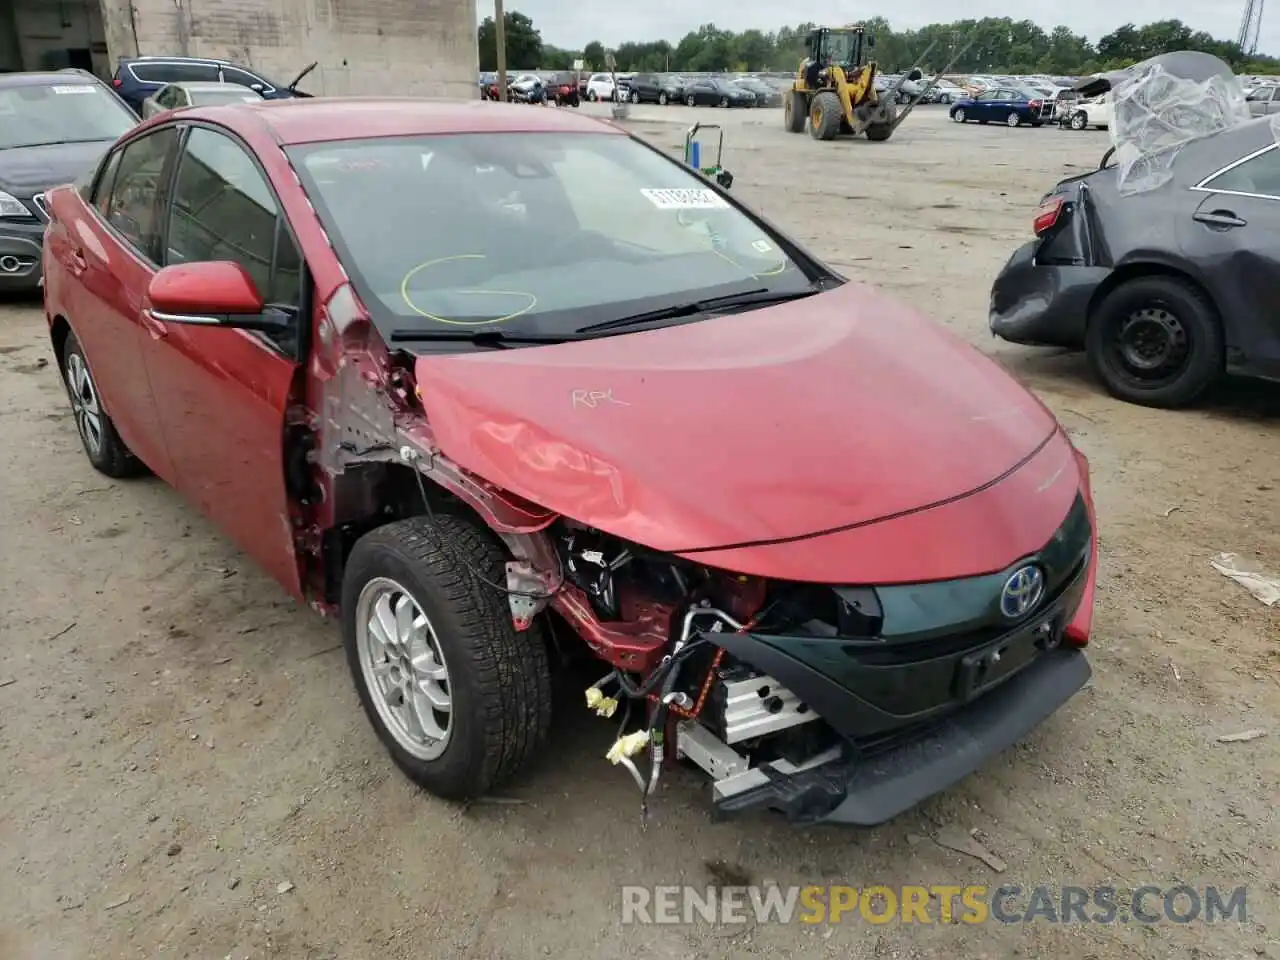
(181, 742)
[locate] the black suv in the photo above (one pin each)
(137, 78)
(54, 127)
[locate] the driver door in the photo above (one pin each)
(223, 393)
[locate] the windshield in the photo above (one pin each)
(531, 233)
(33, 115)
(209, 98)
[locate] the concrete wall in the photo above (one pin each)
(32, 31)
(397, 47)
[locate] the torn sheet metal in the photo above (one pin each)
(1163, 103)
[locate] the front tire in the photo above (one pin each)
(958, 115)
(635, 96)
(1079, 120)
(691, 100)
(662, 98)
(1156, 341)
(825, 114)
(459, 698)
(102, 444)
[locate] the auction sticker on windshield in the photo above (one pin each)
(684, 199)
(77, 88)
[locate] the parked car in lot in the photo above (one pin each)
(1264, 100)
(53, 128)
(138, 78)
(672, 89)
(1166, 289)
(266, 306)
(644, 88)
(945, 91)
(717, 92)
(600, 86)
(1007, 105)
(766, 94)
(175, 96)
(1087, 113)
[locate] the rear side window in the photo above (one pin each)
(173, 72)
(244, 78)
(107, 179)
(132, 207)
(1259, 175)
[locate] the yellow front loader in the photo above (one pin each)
(835, 87)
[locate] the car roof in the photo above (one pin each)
(357, 118)
(48, 77)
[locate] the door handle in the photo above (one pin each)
(1220, 219)
(155, 327)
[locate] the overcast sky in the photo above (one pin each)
(566, 23)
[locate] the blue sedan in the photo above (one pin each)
(1007, 105)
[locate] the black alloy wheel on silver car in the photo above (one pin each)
(459, 698)
(1156, 341)
(102, 444)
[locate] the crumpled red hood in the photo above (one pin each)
(836, 409)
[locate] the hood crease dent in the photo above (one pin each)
(791, 422)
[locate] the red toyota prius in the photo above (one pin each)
(465, 375)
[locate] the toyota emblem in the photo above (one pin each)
(1022, 592)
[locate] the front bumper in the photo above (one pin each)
(1042, 304)
(21, 247)
(865, 792)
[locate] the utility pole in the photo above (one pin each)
(500, 36)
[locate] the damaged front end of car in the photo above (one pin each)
(833, 703)
(827, 702)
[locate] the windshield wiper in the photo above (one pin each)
(750, 298)
(60, 143)
(479, 337)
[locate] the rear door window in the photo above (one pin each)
(134, 201)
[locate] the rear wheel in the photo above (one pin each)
(724, 101)
(458, 697)
(1014, 119)
(793, 113)
(1156, 341)
(825, 116)
(102, 445)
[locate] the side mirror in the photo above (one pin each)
(217, 293)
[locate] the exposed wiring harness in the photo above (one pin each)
(408, 453)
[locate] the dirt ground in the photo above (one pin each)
(180, 742)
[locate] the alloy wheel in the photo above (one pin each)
(958, 116)
(404, 668)
(1013, 120)
(84, 403)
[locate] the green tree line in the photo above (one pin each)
(1001, 45)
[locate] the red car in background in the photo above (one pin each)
(826, 551)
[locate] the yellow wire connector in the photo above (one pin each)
(628, 746)
(602, 705)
